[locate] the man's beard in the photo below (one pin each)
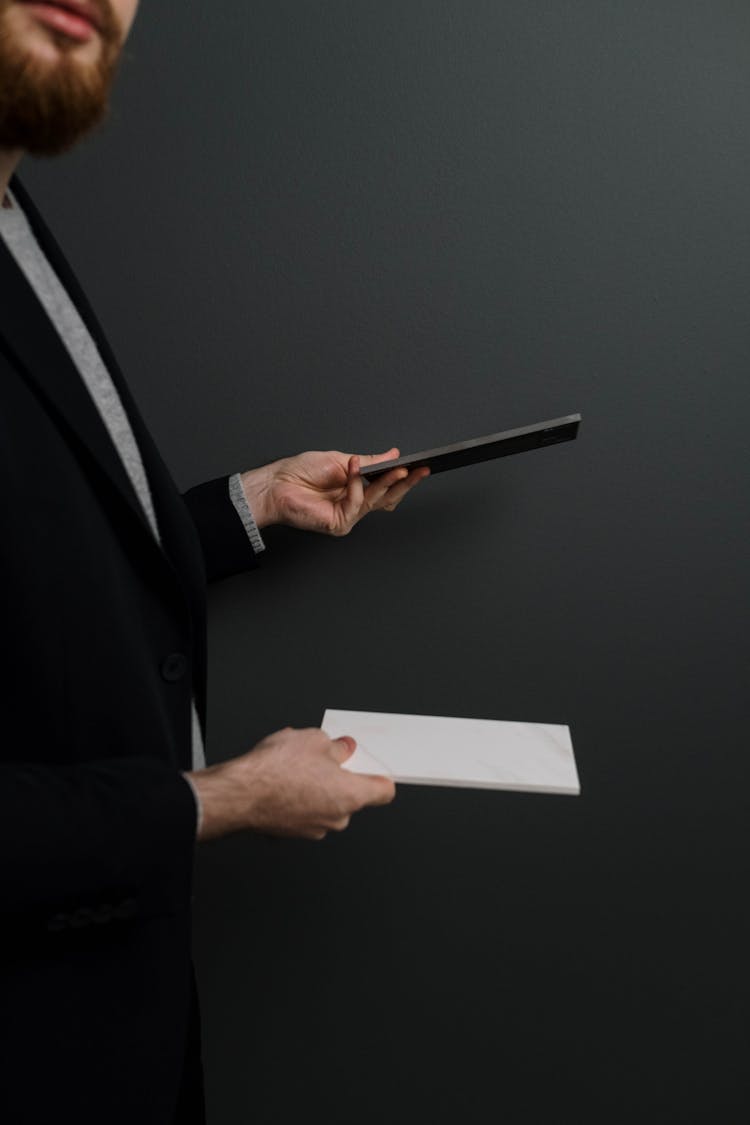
(47, 105)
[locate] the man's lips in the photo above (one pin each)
(74, 17)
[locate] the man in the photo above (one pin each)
(103, 785)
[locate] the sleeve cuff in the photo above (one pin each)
(237, 496)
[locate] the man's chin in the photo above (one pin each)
(53, 89)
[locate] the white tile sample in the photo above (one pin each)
(477, 753)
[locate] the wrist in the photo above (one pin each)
(257, 487)
(225, 809)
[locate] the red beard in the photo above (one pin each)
(46, 106)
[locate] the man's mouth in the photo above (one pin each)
(77, 19)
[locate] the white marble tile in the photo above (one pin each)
(479, 753)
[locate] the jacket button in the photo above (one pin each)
(125, 909)
(173, 667)
(102, 913)
(80, 917)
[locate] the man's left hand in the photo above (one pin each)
(324, 491)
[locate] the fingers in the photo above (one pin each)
(381, 790)
(378, 488)
(391, 492)
(384, 493)
(342, 748)
(359, 500)
(353, 500)
(374, 789)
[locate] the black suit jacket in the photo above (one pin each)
(103, 641)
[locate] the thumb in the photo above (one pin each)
(342, 748)
(375, 458)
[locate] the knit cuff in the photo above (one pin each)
(237, 496)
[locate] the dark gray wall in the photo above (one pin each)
(318, 225)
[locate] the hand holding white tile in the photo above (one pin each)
(478, 753)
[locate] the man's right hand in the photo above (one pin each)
(290, 784)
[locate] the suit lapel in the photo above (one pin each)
(46, 363)
(40, 355)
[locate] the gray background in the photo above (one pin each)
(347, 225)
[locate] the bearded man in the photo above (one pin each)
(103, 564)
